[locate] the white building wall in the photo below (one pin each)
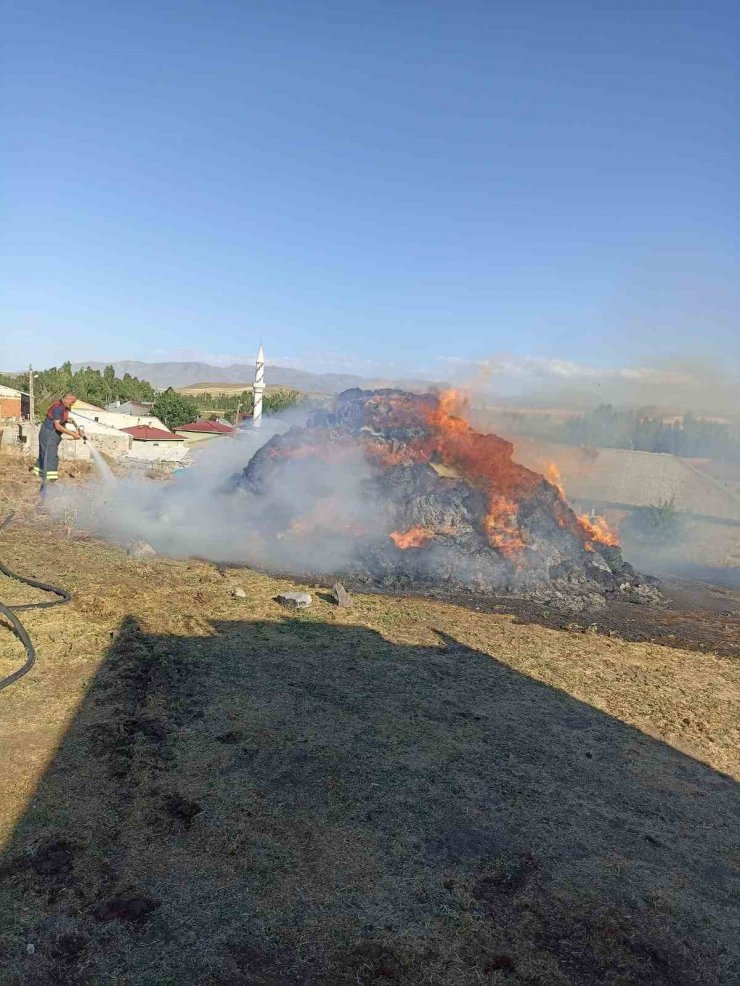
(158, 451)
(115, 444)
(119, 421)
(195, 437)
(108, 440)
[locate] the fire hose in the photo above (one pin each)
(8, 614)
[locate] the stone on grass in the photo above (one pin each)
(340, 595)
(295, 600)
(141, 549)
(239, 594)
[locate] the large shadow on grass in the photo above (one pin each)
(291, 802)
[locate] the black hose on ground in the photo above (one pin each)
(8, 613)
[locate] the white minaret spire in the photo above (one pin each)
(259, 388)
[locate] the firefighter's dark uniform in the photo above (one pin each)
(47, 464)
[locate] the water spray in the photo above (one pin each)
(104, 470)
(101, 465)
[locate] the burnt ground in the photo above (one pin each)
(199, 788)
(693, 614)
(696, 616)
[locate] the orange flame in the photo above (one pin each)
(414, 537)
(453, 402)
(501, 526)
(388, 455)
(552, 475)
(598, 529)
(486, 461)
(595, 528)
(435, 432)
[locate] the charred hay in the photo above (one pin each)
(456, 511)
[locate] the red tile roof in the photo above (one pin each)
(206, 427)
(143, 433)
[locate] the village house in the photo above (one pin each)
(13, 403)
(118, 435)
(134, 408)
(117, 418)
(156, 444)
(200, 431)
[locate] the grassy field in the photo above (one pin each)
(200, 788)
(218, 398)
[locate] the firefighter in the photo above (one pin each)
(50, 435)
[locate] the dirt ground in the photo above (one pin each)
(200, 788)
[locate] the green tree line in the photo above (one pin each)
(689, 436)
(643, 430)
(89, 385)
(175, 409)
(169, 406)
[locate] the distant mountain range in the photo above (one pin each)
(163, 375)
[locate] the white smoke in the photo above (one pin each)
(299, 522)
(312, 513)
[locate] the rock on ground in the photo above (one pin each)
(295, 600)
(341, 597)
(141, 549)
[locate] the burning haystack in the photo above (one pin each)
(442, 506)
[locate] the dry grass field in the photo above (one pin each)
(199, 788)
(216, 389)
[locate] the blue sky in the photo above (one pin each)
(371, 186)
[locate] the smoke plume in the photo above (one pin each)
(202, 513)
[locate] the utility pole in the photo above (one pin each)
(31, 405)
(236, 416)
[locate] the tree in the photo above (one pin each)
(280, 400)
(275, 400)
(175, 409)
(89, 385)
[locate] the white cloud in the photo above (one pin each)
(537, 368)
(644, 374)
(676, 387)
